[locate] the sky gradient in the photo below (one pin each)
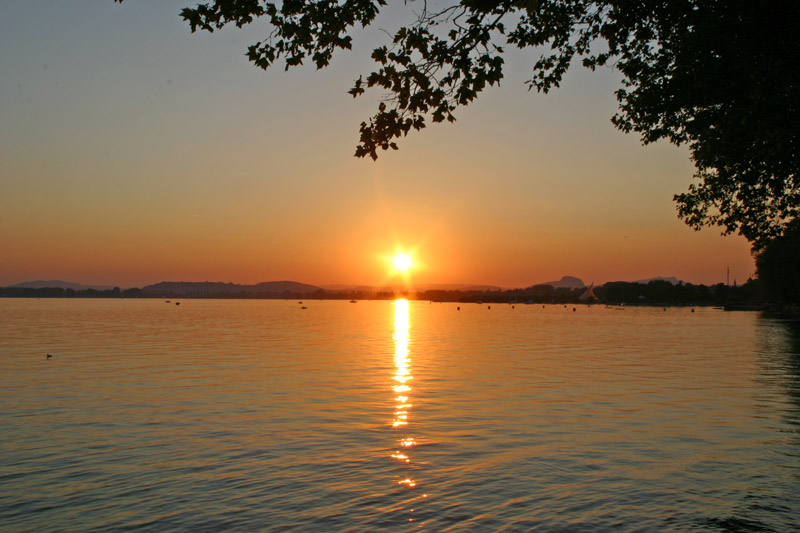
(132, 152)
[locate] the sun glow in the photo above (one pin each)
(402, 262)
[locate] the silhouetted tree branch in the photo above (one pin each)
(718, 76)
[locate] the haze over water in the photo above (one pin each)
(259, 415)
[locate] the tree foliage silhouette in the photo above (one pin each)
(778, 264)
(720, 76)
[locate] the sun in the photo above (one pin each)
(402, 262)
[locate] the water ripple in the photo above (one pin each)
(248, 415)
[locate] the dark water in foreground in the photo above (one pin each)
(257, 415)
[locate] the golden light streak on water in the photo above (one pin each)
(402, 374)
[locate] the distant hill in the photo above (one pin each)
(566, 282)
(284, 286)
(44, 284)
(183, 289)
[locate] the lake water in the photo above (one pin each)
(262, 416)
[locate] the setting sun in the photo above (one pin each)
(402, 262)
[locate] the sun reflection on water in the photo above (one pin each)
(402, 375)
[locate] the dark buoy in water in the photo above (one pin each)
(692, 309)
(665, 309)
(177, 303)
(512, 307)
(458, 308)
(489, 307)
(304, 307)
(299, 302)
(48, 356)
(542, 307)
(573, 309)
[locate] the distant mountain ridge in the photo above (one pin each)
(58, 284)
(219, 288)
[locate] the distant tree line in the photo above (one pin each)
(533, 294)
(657, 292)
(58, 292)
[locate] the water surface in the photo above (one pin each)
(261, 416)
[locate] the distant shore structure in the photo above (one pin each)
(589, 295)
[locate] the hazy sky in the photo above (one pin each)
(132, 151)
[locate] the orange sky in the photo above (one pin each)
(133, 152)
